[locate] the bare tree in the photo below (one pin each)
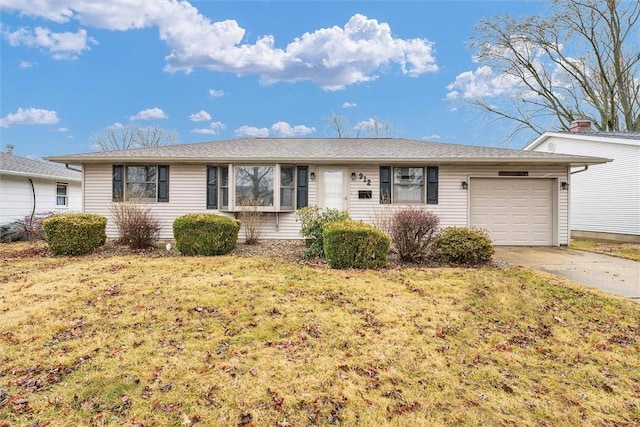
(582, 61)
(374, 128)
(339, 124)
(132, 136)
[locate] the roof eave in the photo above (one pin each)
(42, 176)
(577, 161)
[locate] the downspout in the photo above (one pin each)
(72, 169)
(33, 211)
(581, 170)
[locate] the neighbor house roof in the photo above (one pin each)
(624, 138)
(325, 150)
(10, 164)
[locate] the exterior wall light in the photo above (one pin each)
(353, 176)
(564, 185)
(465, 185)
(312, 176)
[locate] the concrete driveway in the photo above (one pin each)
(610, 274)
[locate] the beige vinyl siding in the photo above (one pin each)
(453, 203)
(187, 193)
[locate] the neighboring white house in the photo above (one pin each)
(33, 187)
(518, 196)
(605, 198)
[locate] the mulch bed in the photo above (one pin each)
(290, 250)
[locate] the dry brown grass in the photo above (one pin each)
(120, 340)
(620, 250)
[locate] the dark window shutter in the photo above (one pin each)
(118, 183)
(212, 187)
(163, 183)
(302, 189)
(432, 185)
(385, 184)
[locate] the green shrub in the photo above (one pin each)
(354, 244)
(463, 246)
(205, 234)
(313, 220)
(74, 233)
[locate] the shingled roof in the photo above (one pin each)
(324, 150)
(11, 164)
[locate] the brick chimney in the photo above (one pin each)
(10, 148)
(582, 125)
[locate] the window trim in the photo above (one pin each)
(431, 178)
(297, 188)
(120, 183)
(65, 196)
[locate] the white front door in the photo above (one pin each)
(332, 188)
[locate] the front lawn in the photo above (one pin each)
(620, 250)
(269, 341)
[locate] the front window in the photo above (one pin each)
(62, 198)
(254, 185)
(287, 187)
(141, 182)
(408, 185)
(224, 187)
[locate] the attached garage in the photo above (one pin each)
(514, 211)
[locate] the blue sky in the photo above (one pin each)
(211, 70)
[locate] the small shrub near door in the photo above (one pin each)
(137, 227)
(354, 244)
(412, 232)
(75, 233)
(463, 246)
(313, 220)
(205, 234)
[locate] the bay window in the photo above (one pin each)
(270, 188)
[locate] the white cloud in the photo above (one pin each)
(205, 131)
(200, 116)
(279, 129)
(284, 129)
(150, 114)
(217, 126)
(431, 137)
(349, 105)
(333, 57)
(116, 125)
(252, 131)
(30, 116)
(66, 45)
(481, 83)
(216, 93)
(213, 129)
(61, 129)
(26, 64)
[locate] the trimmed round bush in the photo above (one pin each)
(205, 234)
(354, 244)
(463, 246)
(75, 233)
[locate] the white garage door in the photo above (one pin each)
(515, 211)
